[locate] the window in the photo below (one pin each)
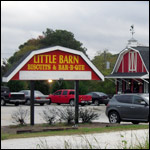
(4, 90)
(71, 93)
(138, 100)
(58, 93)
(146, 87)
(65, 92)
(26, 92)
(119, 85)
(124, 99)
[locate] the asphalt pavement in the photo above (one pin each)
(7, 111)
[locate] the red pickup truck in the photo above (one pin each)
(67, 97)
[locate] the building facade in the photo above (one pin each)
(131, 71)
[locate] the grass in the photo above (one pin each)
(79, 131)
(87, 144)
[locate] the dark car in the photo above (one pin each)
(39, 98)
(99, 98)
(128, 107)
(8, 97)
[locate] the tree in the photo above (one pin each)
(62, 38)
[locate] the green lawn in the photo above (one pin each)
(79, 131)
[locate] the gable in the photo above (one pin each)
(131, 62)
(137, 62)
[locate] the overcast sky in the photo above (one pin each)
(98, 25)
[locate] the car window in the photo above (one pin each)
(38, 93)
(65, 92)
(58, 93)
(138, 100)
(4, 90)
(90, 94)
(98, 93)
(95, 95)
(71, 93)
(124, 98)
(25, 92)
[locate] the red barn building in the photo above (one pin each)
(131, 71)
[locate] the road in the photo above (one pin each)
(7, 111)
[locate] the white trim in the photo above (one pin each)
(55, 75)
(145, 80)
(124, 77)
(122, 65)
(146, 76)
(69, 50)
(132, 66)
(117, 64)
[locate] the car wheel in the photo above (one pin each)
(28, 102)
(72, 102)
(135, 122)
(114, 117)
(16, 104)
(42, 104)
(3, 102)
(50, 101)
(96, 103)
(82, 104)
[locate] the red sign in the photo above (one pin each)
(56, 61)
(57, 64)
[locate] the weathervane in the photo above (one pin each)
(132, 30)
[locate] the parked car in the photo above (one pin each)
(8, 97)
(39, 98)
(128, 107)
(67, 96)
(99, 98)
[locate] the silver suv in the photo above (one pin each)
(128, 107)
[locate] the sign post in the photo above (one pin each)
(76, 101)
(32, 103)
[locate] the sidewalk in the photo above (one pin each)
(112, 140)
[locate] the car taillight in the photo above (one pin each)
(47, 97)
(107, 105)
(38, 97)
(9, 95)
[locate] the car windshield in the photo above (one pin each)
(89, 94)
(146, 97)
(100, 93)
(38, 93)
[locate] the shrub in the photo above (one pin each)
(87, 115)
(49, 115)
(66, 114)
(19, 116)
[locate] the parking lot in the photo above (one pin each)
(6, 112)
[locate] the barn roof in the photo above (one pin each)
(144, 53)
